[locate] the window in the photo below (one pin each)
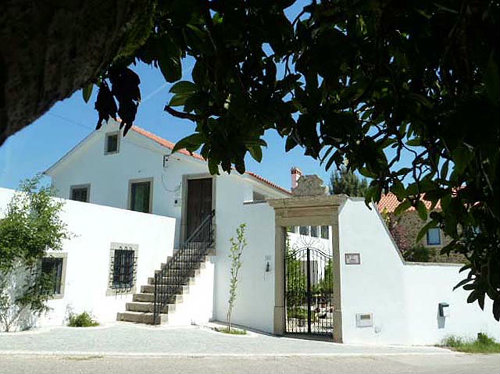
(304, 230)
(80, 193)
(53, 268)
(140, 196)
(434, 236)
(325, 232)
(292, 229)
(314, 231)
(257, 196)
(112, 143)
(123, 268)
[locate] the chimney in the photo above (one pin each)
(296, 174)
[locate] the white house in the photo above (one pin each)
(313, 264)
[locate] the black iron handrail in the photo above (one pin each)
(180, 267)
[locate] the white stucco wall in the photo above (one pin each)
(94, 228)
(142, 158)
(403, 297)
(109, 175)
(254, 306)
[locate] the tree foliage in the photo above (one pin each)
(343, 181)
(30, 226)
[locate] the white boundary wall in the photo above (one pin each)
(94, 228)
(403, 297)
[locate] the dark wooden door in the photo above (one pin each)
(199, 202)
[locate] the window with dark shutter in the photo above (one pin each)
(434, 236)
(325, 232)
(53, 267)
(80, 194)
(112, 143)
(304, 230)
(314, 231)
(123, 269)
(140, 195)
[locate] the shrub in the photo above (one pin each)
(482, 344)
(418, 253)
(231, 331)
(31, 225)
(82, 320)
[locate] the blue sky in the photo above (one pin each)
(41, 144)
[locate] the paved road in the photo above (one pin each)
(400, 364)
(128, 348)
(144, 340)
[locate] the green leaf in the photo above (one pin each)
(190, 142)
(492, 81)
(183, 87)
(462, 158)
(461, 283)
(402, 207)
(87, 92)
(290, 143)
(398, 189)
(256, 153)
(213, 167)
(444, 170)
(474, 295)
(422, 210)
(414, 142)
(178, 100)
(424, 230)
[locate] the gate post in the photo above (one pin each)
(337, 300)
(279, 279)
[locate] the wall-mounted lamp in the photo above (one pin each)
(165, 160)
(444, 310)
(268, 267)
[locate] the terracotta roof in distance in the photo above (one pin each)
(389, 202)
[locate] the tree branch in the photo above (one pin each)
(179, 114)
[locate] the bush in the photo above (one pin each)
(297, 313)
(482, 344)
(82, 320)
(418, 253)
(231, 331)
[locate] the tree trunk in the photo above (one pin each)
(51, 49)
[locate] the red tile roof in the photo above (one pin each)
(168, 144)
(389, 203)
(164, 142)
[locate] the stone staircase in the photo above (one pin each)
(140, 310)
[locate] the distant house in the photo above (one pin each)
(407, 225)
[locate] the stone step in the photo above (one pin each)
(140, 317)
(150, 289)
(169, 279)
(142, 307)
(183, 259)
(143, 297)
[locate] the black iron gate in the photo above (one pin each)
(308, 292)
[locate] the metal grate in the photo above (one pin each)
(308, 292)
(123, 267)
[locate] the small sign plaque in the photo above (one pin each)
(352, 259)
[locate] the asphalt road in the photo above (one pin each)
(387, 364)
